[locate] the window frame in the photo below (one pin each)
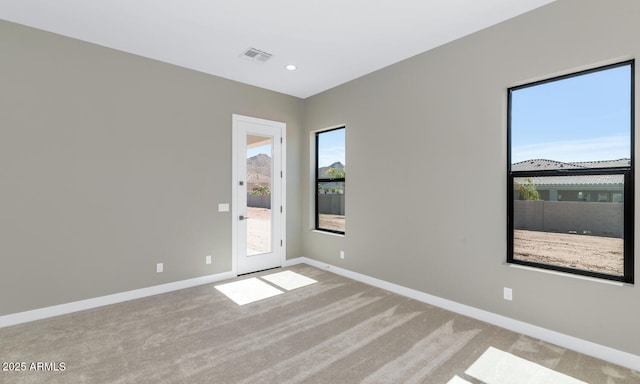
(627, 172)
(318, 180)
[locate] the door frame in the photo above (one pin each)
(235, 209)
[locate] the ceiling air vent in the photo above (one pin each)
(256, 55)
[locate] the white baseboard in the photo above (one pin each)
(296, 261)
(63, 309)
(615, 356)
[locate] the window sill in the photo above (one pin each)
(570, 275)
(328, 233)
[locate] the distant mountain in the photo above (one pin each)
(258, 171)
(323, 171)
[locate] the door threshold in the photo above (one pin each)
(262, 270)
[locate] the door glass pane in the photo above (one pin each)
(259, 182)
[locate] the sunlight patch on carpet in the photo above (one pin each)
(499, 367)
(288, 280)
(247, 291)
(457, 380)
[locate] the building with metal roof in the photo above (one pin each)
(593, 188)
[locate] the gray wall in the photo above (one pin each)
(110, 163)
(332, 204)
(440, 117)
(600, 219)
(258, 201)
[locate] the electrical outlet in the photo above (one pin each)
(208, 259)
(159, 267)
(342, 254)
(508, 294)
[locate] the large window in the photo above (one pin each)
(570, 173)
(330, 180)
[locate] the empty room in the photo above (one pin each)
(318, 191)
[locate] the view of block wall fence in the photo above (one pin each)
(600, 219)
(258, 200)
(332, 204)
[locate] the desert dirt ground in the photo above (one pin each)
(592, 253)
(258, 230)
(333, 222)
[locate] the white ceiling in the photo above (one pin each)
(330, 41)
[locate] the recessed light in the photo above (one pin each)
(291, 67)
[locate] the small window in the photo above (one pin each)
(570, 173)
(330, 180)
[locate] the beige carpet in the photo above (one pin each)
(334, 331)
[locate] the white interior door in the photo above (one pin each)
(258, 208)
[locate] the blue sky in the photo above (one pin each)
(582, 118)
(331, 147)
(266, 149)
